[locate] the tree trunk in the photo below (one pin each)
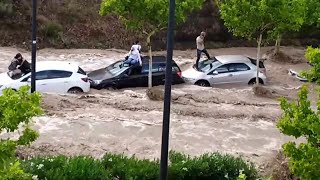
(258, 58)
(277, 45)
(150, 62)
(150, 57)
(150, 66)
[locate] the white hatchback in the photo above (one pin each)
(224, 70)
(52, 77)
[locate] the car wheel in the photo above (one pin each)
(75, 90)
(253, 81)
(203, 83)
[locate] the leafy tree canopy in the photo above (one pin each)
(152, 14)
(249, 18)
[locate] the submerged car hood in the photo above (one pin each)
(191, 73)
(5, 79)
(100, 74)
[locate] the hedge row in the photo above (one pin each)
(113, 166)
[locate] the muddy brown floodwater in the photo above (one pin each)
(229, 120)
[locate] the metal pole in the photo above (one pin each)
(167, 95)
(34, 46)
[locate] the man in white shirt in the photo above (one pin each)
(134, 57)
(200, 48)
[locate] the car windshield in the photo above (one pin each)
(17, 76)
(115, 69)
(208, 64)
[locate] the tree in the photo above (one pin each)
(148, 16)
(289, 18)
(300, 121)
(16, 111)
(313, 13)
(313, 56)
(255, 19)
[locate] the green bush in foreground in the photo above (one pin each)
(16, 111)
(120, 167)
(313, 56)
(299, 120)
(208, 166)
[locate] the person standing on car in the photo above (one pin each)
(13, 67)
(134, 57)
(200, 48)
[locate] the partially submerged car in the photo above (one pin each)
(51, 76)
(117, 76)
(299, 76)
(226, 69)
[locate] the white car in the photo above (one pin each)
(51, 76)
(225, 69)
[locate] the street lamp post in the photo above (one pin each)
(34, 46)
(167, 94)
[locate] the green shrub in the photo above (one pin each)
(52, 30)
(313, 56)
(209, 166)
(123, 167)
(16, 110)
(299, 120)
(120, 167)
(14, 171)
(62, 167)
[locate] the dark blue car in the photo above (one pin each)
(117, 76)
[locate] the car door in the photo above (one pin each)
(58, 81)
(240, 73)
(220, 75)
(41, 79)
(50, 81)
(130, 78)
(145, 75)
(158, 74)
(41, 76)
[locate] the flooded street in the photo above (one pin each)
(229, 120)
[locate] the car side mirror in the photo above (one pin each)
(215, 73)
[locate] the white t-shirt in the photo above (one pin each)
(200, 43)
(135, 53)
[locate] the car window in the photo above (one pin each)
(145, 68)
(135, 71)
(208, 64)
(254, 61)
(42, 75)
(162, 67)
(116, 69)
(236, 67)
(54, 74)
(222, 69)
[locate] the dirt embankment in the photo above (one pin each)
(77, 24)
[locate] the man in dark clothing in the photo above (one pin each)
(18, 66)
(25, 67)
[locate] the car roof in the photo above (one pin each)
(155, 59)
(232, 59)
(56, 65)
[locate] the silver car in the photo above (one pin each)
(225, 69)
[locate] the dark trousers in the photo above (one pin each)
(199, 52)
